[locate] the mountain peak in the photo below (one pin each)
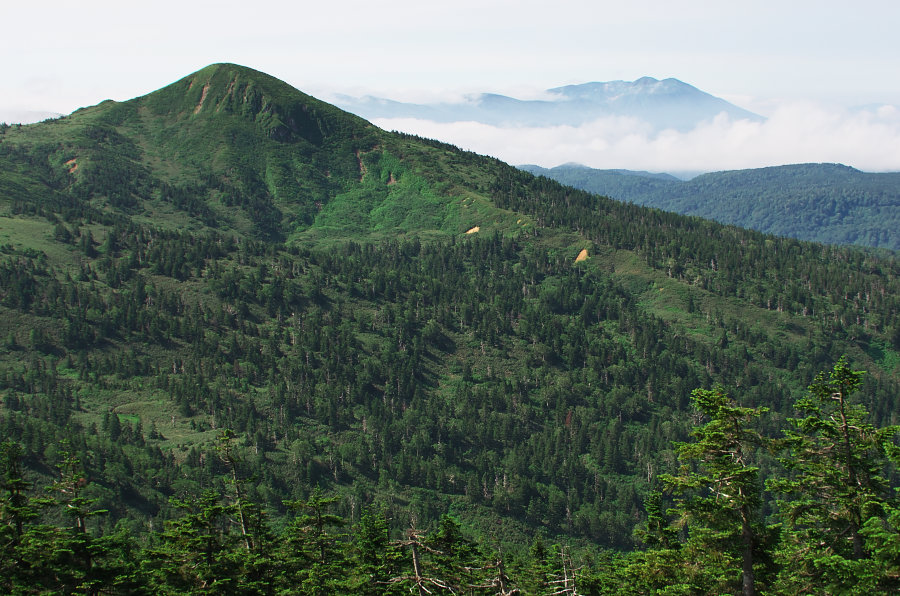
(612, 90)
(224, 89)
(663, 104)
(219, 87)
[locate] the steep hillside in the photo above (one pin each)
(820, 202)
(229, 253)
(230, 148)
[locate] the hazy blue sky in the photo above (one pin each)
(762, 55)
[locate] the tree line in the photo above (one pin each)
(832, 526)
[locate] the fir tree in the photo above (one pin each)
(718, 491)
(836, 461)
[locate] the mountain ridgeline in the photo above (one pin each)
(227, 287)
(665, 104)
(828, 203)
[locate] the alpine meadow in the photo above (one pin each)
(252, 344)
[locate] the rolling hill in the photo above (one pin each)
(828, 203)
(384, 318)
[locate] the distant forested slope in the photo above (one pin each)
(827, 203)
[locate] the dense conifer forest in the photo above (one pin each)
(829, 203)
(252, 344)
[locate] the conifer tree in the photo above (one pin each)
(836, 461)
(16, 511)
(456, 559)
(376, 559)
(196, 552)
(718, 492)
(314, 556)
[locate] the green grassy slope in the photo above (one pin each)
(228, 252)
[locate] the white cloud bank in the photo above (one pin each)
(799, 132)
(10, 116)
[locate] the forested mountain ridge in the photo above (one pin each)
(829, 203)
(228, 253)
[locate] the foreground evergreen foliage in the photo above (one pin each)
(835, 532)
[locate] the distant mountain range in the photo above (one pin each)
(829, 203)
(665, 104)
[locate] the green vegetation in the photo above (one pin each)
(820, 202)
(835, 533)
(230, 254)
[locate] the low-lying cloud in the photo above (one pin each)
(799, 132)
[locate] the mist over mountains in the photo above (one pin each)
(22, 116)
(648, 124)
(661, 104)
